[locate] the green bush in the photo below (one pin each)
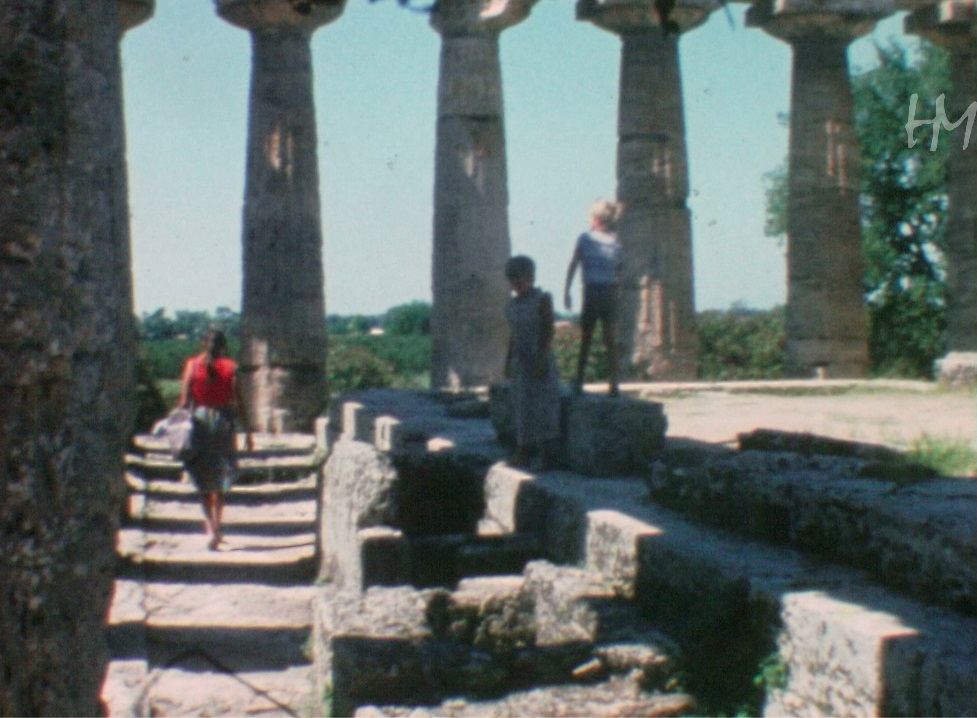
(741, 344)
(353, 367)
(907, 333)
(408, 355)
(151, 405)
(566, 347)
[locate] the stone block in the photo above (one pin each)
(384, 557)
(917, 536)
(599, 435)
(612, 436)
(575, 606)
(565, 602)
(957, 369)
(394, 645)
(358, 492)
(861, 659)
(733, 605)
(502, 491)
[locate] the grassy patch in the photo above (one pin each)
(945, 456)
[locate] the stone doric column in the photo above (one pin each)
(471, 224)
(951, 25)
(66, 373)
(657, 317)
(826, 324)
(135, 12)
(283, 315)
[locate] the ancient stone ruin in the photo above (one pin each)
(792, 576)
(67, 375)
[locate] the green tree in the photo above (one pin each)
(155, 325)
(903, 206)
(405, 319)
(903, 201)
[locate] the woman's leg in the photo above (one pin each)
(609, 333)
(212, 509)
(586, 334)
(218, 514)
(205, 506)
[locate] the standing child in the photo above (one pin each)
(599, 253)
(530, 363)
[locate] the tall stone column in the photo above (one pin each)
(826, 323)
(951, 24)
(471, 200)
(65, 361)
(283, 314)
(657, 321)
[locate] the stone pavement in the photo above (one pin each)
(204, 633)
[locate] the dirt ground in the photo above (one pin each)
(893, 413)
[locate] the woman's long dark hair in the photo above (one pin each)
(215, 346)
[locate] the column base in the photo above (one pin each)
(957, 369)
(284, 399)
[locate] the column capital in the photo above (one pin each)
(818, 20)
(951, 24)
(135, 12)
(457, 18)
(625, 16)
(278, 14)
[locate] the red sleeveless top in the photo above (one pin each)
(216, 391)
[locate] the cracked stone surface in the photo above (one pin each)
(202, 633)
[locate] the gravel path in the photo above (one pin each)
(893, 413)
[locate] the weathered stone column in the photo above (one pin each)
(66, 355)
(657, 326)
(951, 24)
(283, 314)
(471, 200)
(826, 324)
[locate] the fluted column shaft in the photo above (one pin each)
(471, 202)
(657, 332)
(961, 231)
(283, 313)
(657, 324)
(66, 388)
(826, 323)
(283, 328)
(952, 24)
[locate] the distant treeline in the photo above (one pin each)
(394, 348)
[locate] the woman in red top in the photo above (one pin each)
(211, 392)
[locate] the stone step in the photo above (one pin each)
(444, 560)
(240, 494)
(250, 469)
(198, 632)
(210, 649)
(265, 445)
(197, 686)
(614, 698)
(294, 569)
(917, 535)
(826, 639)
(397, 645)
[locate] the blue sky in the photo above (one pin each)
(186, 75)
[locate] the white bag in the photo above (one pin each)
(177, 430)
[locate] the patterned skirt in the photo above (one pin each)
(212, 463)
